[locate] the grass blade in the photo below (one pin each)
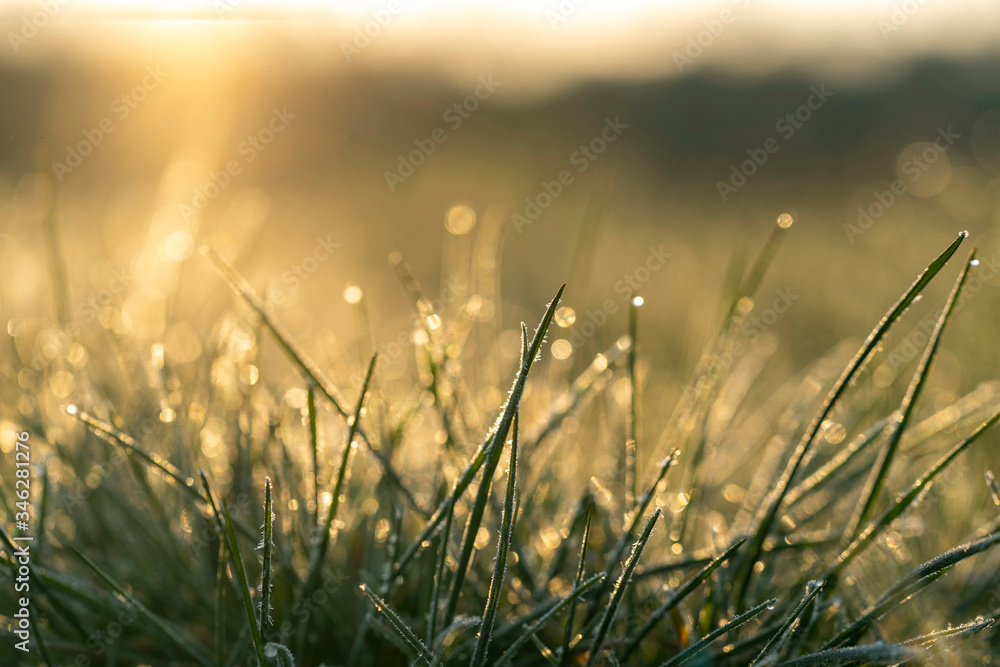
(503, 548)
(581, 565)
(308, 368)
(615, 556)
(685, 589)
(601, 633)
(961, 631)
(878, 653)
(526, 636)
(220, 606)
(493, 439)
(187, 646)
(812, 590)
(439, 576)
(479, 507)
(322, 543)
(110, 434)
(905, 500)
(314, 447)
(702, 644)
(405, 633)
(234, 549)
(632, 420)
(880, 471)
(772, 504)
(266, 544)
(908, 585)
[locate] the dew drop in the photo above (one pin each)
(637, 301)
(460, 220)
(562, 348)
(785, 221)
(353, 294)
(918, 298)
(974, 262)
(772, 603)
(565, 316)
(71, 409)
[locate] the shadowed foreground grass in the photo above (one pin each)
(209, 515)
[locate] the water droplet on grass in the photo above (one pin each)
(565, 316)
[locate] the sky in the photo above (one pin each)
(545, 46)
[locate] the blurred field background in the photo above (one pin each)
(657, 185)
(113, 242)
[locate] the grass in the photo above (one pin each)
(414, 552)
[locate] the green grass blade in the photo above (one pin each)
(503, 548)
(697, 397)
(495, 437)
(632, 420)
(322, 544)
(608, 618)
(880, 471)
(479, 507)
(829, 470)
(772, 504)
(266, 545)
(703, 643)
(961, 631)
(878, 653)
(915, 580)
(187, 646)
(580, 568)
(110, 434)
(220, 606)
(537, 625)
(244, 584)
(405, 633)
(309, 369)
(812, 590)
(439, 576)
(682, 592)
(314, 447)
(580, 515)
(905, 500)
(616, 553)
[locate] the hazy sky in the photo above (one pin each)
(543, 44)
